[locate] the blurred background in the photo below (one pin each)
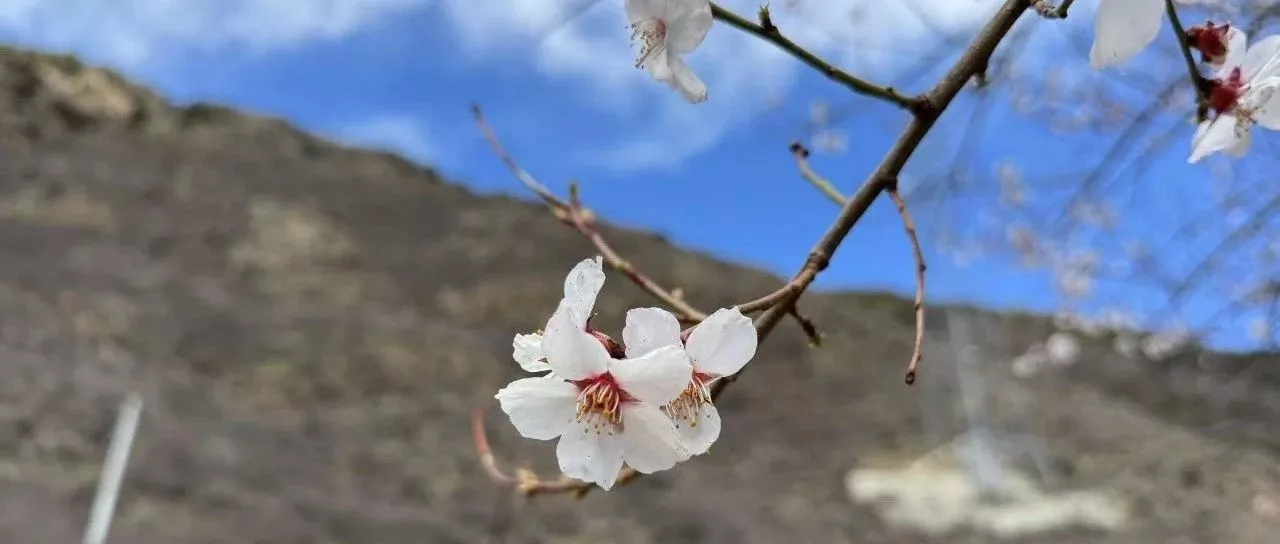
(275, 223)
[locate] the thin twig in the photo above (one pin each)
(801, 155)
(917, 351)
(104, 499)
(1198, 81)
(770, 33)
(583, 221)
(1046, 9)
(525, 481)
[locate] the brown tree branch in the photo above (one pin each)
(917, 351)
(974, 59)
(572, 213)
(582, 220)
(792, 288)
(770, 33)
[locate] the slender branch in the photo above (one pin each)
(802, 163)
(573, 214)
(1198, 81)
(770, 33)
(917, 351)
(582, 220)
(1046, 9)
(974, 59)
(525, 481)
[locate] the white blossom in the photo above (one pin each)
(719, 346)
(605, 411)
(581, 287)
(663, 31)
(1244, 96)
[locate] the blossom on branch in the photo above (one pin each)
(1123, 28)
(1243, 95)
(605, 409)
(663, 30)
(719, 346)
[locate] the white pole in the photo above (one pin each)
(104, 500)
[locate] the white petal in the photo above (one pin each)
(571, 352)
(1213, 136)
(526, 349)
(1124, 28)
(649, 440)
(723, 343)
(639, 10)
(659, 67)
(1243, 140)
(688, 26)
(684, 81)
(540, 408)
(698, 438)
(648, 329)
(657, 377)
(1265, 101)
(582, 286)
(586, 455)
(1262, 60)
(1237, 47)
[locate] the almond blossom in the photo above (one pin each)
(719, 346)
(1123, 28)
(581, 287)
(1245, 94)
(663, 30)
(604, 408)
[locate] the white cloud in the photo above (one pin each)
(400, 133)
(586, 41)
(129, 33)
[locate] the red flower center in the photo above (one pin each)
(1211, 40)
(1225, 93)
(600, 401)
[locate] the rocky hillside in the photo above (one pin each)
(311, 325)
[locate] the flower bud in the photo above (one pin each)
(1210, 40)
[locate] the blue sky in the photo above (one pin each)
(556, 79)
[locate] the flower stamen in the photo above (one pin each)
(600, 404)
(650, 36)
(688, 406)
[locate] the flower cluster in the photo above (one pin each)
(1241, 89)
(645, 402)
